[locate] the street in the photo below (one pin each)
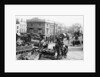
(74, 53)
(36, 37)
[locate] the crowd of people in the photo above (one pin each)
(42, 43)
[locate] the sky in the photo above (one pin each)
(66, 20)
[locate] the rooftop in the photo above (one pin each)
(35, 20)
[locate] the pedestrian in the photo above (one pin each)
(58, 46)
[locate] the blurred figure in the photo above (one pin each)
(59, 45)
(68, 38)
(44, 43)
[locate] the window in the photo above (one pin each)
(17, 27)
(47, 25)
(39, 29)
(17, 21)
(47, 30)
(22, 30)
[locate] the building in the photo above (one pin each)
(52, 29)
(59, 29)
(56, 30)
(41, 26)
(48, 28)
(21, 26)
(17, 26)
(64, 28)
(36, 25)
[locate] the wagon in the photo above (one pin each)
(23, 51)
(52, 53)
(41, 53)
(48, 54)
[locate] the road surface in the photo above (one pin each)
(74, 53)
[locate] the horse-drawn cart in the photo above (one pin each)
(53, 53)
(26, 52)
(36, 53)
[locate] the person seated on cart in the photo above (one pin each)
(44, 43)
